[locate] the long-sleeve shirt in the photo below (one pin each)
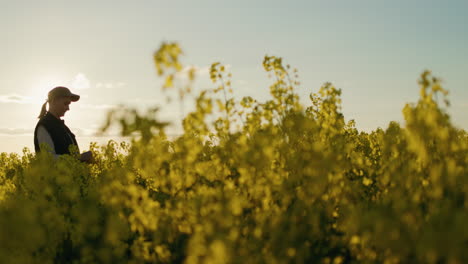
(43, 137)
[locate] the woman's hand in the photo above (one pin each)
(87, 157)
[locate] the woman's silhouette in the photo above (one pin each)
(51, 131)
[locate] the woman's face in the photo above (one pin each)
(60, 105)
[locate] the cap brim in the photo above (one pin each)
(74, 97)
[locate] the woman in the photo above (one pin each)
(51, 132)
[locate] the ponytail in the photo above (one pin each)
(43, 110)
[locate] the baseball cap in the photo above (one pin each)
(61, 91)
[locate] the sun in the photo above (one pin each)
(41, 88)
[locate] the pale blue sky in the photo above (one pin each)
(373, 49)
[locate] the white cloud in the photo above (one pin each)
(80, 132)
(121, 84)
(110, 85)
(204, 71)
(80, 82)
(15, 99)
(199, 71)
(103, 85)
(96, 133)
(16, 131)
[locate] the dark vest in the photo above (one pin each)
(58, 131)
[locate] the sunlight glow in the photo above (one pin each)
(41, 87)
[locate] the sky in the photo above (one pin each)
(374, 50)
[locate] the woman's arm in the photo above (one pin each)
(43, 137)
